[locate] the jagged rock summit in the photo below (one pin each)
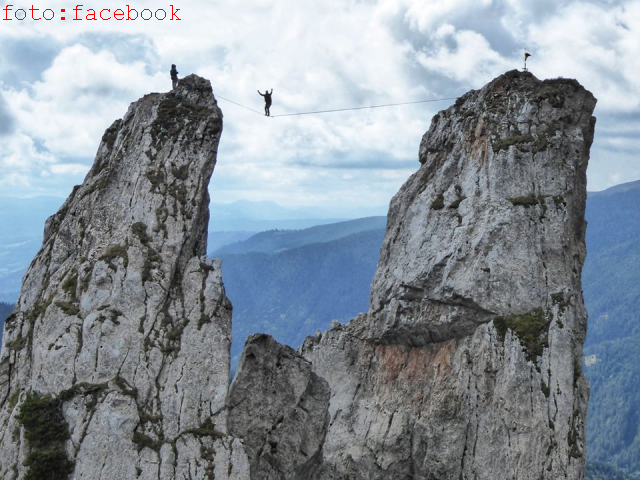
(467, 364)
(121, 333)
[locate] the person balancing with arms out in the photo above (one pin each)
(267, 101)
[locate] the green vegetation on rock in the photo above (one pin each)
(46, 432)
(438, 203)
(532, 328)
(505, 143)
(206, 430)
(70, 284)
(525, 200)
(143, 440)
(113, 252)
(139, 229)
(111, 134)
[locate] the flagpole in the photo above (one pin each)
(526, 56)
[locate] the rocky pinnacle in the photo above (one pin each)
(468, 363)
(115, 360)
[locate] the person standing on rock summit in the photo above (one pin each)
(267, 101)
(174, 76)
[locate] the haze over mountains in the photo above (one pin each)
(23, 222)
(291, 283)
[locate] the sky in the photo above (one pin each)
(62, 83)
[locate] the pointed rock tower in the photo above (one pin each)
(468, 363)
(115, 362)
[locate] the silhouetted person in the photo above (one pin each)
(267, 101)
(174, 76)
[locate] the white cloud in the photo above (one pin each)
(19, 155)
(599, 45)
(69, 169)
(14, 180)
(469, 60)
(78, 97)
(316, 55)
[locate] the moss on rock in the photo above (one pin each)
(532, 328)
(46, 432)
(438, 203)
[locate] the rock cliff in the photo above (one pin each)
(467, 364)
(115, 362)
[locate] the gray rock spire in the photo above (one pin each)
(467, 364)
(122, 329)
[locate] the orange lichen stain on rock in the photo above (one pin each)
(479, 149)
(390, 361)
(413, 366)
(478, 142)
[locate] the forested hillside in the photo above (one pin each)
(611, 284)
(293, 293)
(611, 277)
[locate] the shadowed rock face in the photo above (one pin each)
(122, 321)
(280, 408)
(115, 361)
(468, 362)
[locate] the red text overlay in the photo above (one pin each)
(85, 13)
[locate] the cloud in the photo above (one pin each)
(599, 45)
(84, 92)
(64, 84)
(21, 155)
(125, 47)
(464, 56)
(7, 122)
(361, 162)
(14, 180)
(69, 169)
(24, 58)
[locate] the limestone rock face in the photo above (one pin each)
(121, 333)
(280, 408)
(468, 363)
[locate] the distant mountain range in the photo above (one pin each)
(291, 283)
(20, 238)
(274, 241)
(260, 216)
(229, 223)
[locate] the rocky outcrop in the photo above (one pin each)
(115, 362)
(280, 408)
(468, 363)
